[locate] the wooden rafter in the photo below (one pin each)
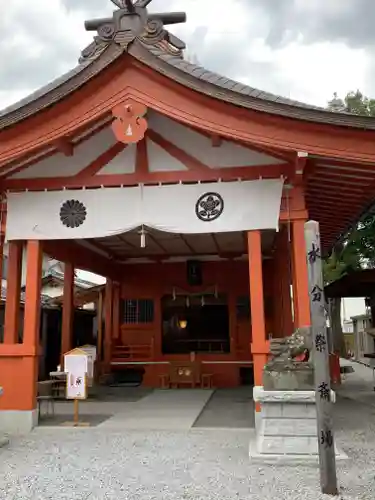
(122, 238)
(14, 168)
(100, 162)
(187, 244)
(65, 146)
(314, 190)
(22, 163)
(324, 182)
(216, 141)
(103, 248)
(185, 158)
(283, 155)
(157, 243)
(216, 243)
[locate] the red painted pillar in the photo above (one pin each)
(260, 345)
(108, 325)
(12, 305)
(116, 311)
(31, 326)
(300, 276)
(3, 217)
(284, 264)
(34, 255)
(67, 311)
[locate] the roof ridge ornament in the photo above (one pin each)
(132, 21)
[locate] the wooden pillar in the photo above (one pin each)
(259, 345)
(116, 311)
(19, 363)
(12, 305)
(108, 308)
(68, 310)
(99, 314)
(31, 325)
(3, 216)
(300, 276)
(31, 322)
(284, 265)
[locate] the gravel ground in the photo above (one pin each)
(90, 464)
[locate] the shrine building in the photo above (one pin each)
(186, 190)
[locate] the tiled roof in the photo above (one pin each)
(188, 74)
(45, 299)
(77, 281)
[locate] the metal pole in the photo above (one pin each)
(327, 457)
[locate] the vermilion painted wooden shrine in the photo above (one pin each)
(188, 191)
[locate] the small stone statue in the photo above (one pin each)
(290, 365)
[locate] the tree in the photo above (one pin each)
(354, 102)
(357, 251)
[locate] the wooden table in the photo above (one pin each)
(59, 380)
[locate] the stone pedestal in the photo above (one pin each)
(3, 439)
(286, 427)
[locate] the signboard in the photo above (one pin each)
(76, 365)
(326, 443)
(90, 351)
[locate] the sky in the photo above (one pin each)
(301, 49)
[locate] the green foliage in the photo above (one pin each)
(354, 102)
(355, 253)
(358, 249)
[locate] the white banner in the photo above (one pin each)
(182, 208)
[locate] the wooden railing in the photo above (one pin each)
(203, 345)
(133, 352)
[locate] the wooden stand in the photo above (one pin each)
(76, 422)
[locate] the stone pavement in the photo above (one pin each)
(358, 386)
(109, 462)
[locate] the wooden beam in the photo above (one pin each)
(43, 154)
(67, 311)
(280, 154)
(179, 154)
(187, 244)
(82, 258)
(299, 168)
(216, 243)
(216, 141)
(64, 146)
(163, 257)
(99, 162)
(141, 158)
(117, 180)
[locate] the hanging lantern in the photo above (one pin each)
(182, 324)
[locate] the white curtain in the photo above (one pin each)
(195, 208)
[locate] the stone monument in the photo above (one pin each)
(286, 426)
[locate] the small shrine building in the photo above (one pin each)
(187, 190)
